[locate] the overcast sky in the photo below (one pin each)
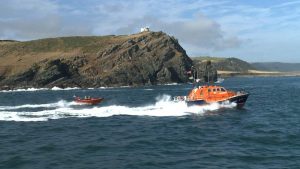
(252, 30)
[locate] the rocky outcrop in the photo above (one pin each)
(140, 59)
(205, 71)
(47, 73)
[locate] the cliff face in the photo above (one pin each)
(145, 58)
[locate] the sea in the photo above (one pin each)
(141, 127)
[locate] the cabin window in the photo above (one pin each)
(218, 89)
(223, 90)
(208, 90)
(214, 90)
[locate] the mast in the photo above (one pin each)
(194, 74)
(208, 77)
(197, 76)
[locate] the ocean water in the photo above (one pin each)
(141, 128)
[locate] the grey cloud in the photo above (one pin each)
(201, 32)
(48, 26)
(37, 19)
(28, 29)
(40, 19)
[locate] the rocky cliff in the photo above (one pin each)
(139, 59)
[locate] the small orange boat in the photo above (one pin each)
(213, 94)
(88, 100)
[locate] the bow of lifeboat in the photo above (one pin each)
(215, 94)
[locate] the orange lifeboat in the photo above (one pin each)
(213, 94)
(88, 100)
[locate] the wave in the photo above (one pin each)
(25, 90)
(61, 103)
(67, 88)
(41, 89)
(170, 84)
(148, 89)
(55, 88)
(163, 107)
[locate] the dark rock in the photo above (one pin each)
(53, 71)
(206, 71)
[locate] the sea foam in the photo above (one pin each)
(161, 108)
(40, 89)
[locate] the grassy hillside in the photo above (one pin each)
(62, 44)
(226, 64)
(16, 56)
(277, 66)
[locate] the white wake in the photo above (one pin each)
(61, 103)
(39, 89)
(62, 109)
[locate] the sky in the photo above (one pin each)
(252, 30)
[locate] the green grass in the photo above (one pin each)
(213, 59)
(89, 44)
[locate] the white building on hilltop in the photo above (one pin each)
(145, 29)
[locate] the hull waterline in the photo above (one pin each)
(240, 101)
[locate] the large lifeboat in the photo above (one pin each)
(213, 94)
(88, 100)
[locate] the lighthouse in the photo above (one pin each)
(145, 29)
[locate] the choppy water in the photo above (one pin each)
(142, 128)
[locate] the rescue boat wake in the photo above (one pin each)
(62, 109)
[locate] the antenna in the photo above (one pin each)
(197, 76)
(208, 76)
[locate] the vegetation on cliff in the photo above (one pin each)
(139, 59)
(127, 60)
(236, 67)
(277, 66)
(225, 64)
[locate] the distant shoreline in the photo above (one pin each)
(221, 74)
(257, 73)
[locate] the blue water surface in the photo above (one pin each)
(140, 128)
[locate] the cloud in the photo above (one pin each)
(201, 32)
(26, 20)
(40, 19)
(286, 4)
(36, 19)
(211, 27)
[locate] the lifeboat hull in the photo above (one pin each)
(240, 100)
(92, 101)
